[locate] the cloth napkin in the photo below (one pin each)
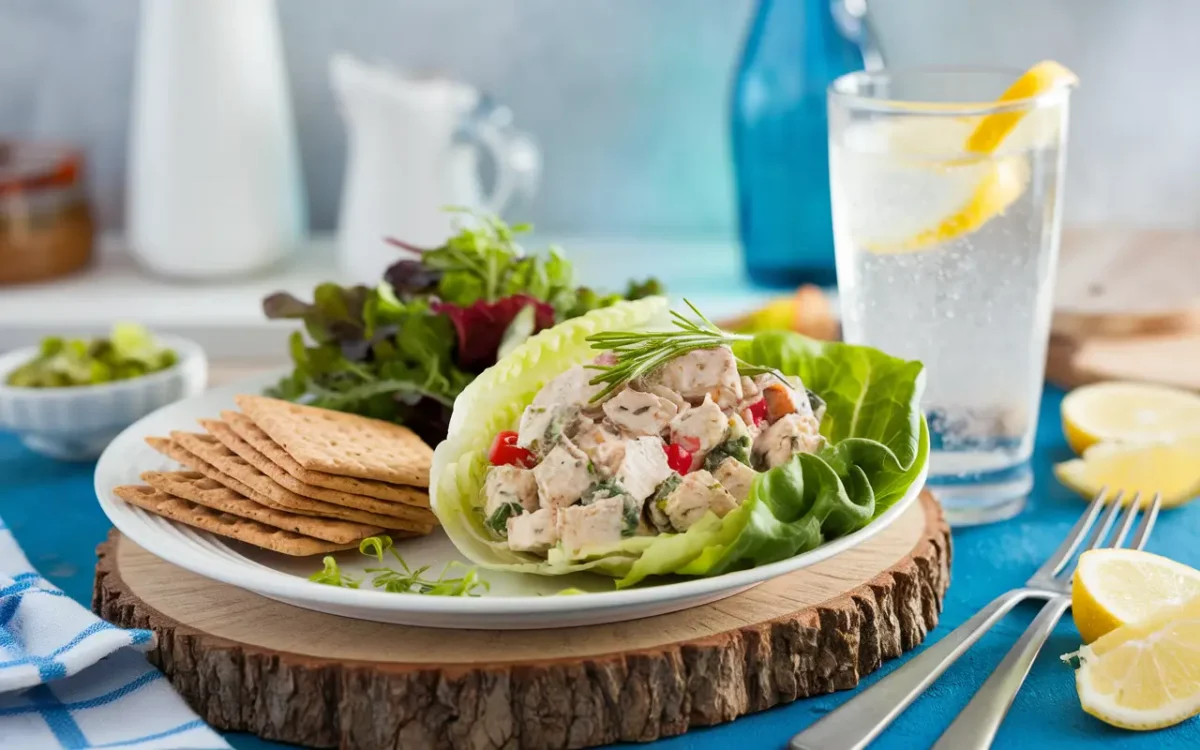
(70, 680)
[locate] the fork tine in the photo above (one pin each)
(1131, 512)
(1100, 532)
(1147, 525)
(1065, 550)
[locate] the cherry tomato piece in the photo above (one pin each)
(678, 458)
(758, 411)
(506, 452)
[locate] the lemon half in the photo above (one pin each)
(1169, 469)
(1128, 412)
(1117, 587)
(1145, 675)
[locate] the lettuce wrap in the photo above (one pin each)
(877, 443)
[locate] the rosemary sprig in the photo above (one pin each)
(406, 580)
(641, 352)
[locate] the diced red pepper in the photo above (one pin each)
(758, 411)
(506, 452)
(678, 457)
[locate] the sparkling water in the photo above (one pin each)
(949, 258)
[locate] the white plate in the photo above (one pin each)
(515, 601)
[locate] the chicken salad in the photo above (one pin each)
(690, 455)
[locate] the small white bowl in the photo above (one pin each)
(75, 423)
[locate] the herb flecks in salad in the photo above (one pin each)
(404, 349)
(403, 581)
(686, 452)
(675, 427)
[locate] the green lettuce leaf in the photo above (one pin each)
(877, 447)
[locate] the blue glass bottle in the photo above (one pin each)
(794, 50)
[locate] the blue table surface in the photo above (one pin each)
(51, 508)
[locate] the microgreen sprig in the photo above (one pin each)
(641, 352)
(406, 580)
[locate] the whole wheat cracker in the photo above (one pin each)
(225, 524)
(186, 458)
(172, 449)
(234, 442)
(209, 449)
(201, 490)
(245, 428)
(339, 443)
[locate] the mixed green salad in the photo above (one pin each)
(404, 349)
(617, 444)
(128, 352)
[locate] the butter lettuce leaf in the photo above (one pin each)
(877, 447)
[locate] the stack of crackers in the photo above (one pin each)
(293, 479)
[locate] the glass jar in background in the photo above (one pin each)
(46, 227)
(794, 50)
(946, 253)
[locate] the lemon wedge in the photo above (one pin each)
(994, 184)
(1117, 587)
(1036, 81)
(1170, 469)
(1128, 412)
(1145, 675)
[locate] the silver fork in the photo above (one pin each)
(859, 720)
(976, 725)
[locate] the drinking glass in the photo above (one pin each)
(946, 252)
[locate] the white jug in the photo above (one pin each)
(215, 187)
(413, 147)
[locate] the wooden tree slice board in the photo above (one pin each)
(1167, 359)
(247, 663)
(1122, 282)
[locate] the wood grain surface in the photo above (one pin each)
(247, 663)
(1119, 281)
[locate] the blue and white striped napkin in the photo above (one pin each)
(70, 680)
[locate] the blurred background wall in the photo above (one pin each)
(628, 97)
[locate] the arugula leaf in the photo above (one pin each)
(404, 349)
(403, 581)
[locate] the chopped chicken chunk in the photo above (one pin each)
(563, 475)
(643, 467)
(604, 447)
(533, 532)
(665, 393)
(640, 413)
(736, 477)
(792, 434)
(750, 390)
(572, 387)
(509, 484)
(698, 493)
(704, 373)
(602, 523)
(700, 429)
(542, 426)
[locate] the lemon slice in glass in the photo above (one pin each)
(964, 171)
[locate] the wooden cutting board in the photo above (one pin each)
(1127, 307)
(247, 663)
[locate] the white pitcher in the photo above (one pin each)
(413, 148)
(215, 187)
